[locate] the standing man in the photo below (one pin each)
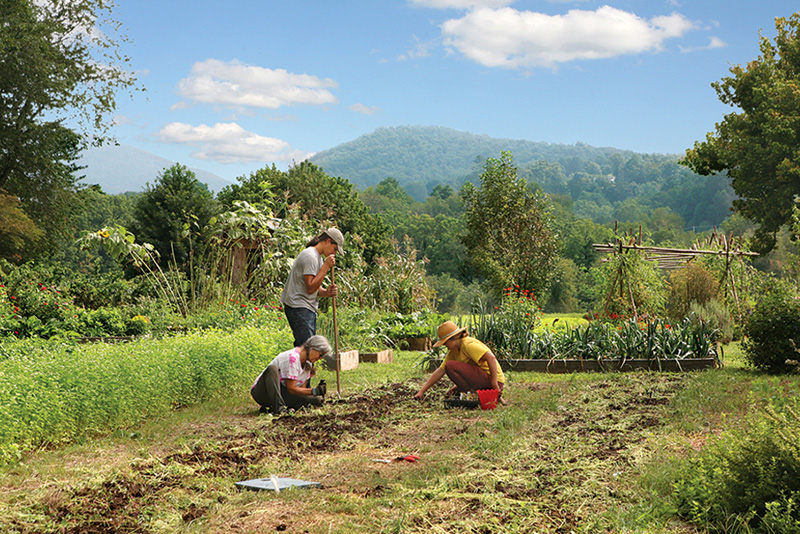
(303, 288)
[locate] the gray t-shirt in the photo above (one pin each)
(294, 292)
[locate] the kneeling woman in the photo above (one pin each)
(286, 382)
(469, 363)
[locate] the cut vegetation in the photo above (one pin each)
(576, 453)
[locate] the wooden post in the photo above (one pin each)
(336, 338)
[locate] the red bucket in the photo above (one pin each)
(488, 398)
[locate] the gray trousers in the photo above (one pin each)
(270, 393)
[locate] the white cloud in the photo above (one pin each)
(366, 110)
(716, 42)
(183, 104)
(461, 4)
(421, 49)
(524, 39)
(713, 42)
(126, 120)
(234, 84)
(229, 143)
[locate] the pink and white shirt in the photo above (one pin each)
(290, 367)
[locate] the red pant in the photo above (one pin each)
(468, 377)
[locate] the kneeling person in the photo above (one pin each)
(286, 382)
(469, 364)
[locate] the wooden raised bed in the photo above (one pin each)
(347, 360)
(573, 366)
(420, 344)
(382, 356)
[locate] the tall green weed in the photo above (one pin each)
(61, 392)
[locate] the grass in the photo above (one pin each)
(565, 321)
(570, 453)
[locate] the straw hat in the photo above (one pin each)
(447, 330)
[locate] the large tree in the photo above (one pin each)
(59, 64)
(509, 232)
(759, 145)
(172, 215)
(319, 197)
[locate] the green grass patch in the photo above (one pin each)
(583, 453)
(53, 393)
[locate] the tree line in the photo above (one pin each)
(462, 221)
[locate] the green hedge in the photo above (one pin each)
(58, 393)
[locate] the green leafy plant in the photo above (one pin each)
(749, 477)
(770, 330)
(33, 308)
(508, 327)
(56, 392)
(121, 245)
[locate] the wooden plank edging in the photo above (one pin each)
(573, 366)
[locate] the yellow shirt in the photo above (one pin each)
(472, 351)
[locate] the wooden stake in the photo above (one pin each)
(336, 338)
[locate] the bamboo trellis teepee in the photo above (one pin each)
(717, 244)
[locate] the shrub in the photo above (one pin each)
(716, 316)
(137, 325)
(749, 477)
(32, 306)
(772, 330)
(692, 285)
(102, 322)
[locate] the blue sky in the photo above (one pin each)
(231, 87)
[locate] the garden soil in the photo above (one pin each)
(573, 461)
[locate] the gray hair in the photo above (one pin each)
(319, 344)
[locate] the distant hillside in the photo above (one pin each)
(604, 184)
(123, 168)
(417, 156)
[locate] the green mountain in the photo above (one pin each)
(428, 155)
(603, 184)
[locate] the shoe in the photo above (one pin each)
(263, 409)
(278, 411)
